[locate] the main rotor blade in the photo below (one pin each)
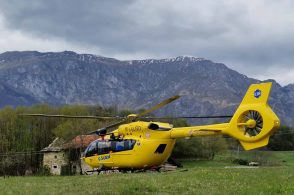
(115, 124)
(107, 127)
(71, 116)
(161, 104)
(189, 117)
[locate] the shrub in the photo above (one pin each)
(44, 171)
(240, 161)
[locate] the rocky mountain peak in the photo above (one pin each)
(187, 59)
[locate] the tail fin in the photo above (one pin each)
(254, 121)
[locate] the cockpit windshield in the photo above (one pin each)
(105, 146)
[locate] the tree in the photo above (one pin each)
(197, 147)
(283, 139)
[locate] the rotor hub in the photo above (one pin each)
(251, 123)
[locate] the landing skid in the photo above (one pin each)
(102, 170)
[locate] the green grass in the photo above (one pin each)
(285, 158)
(197, 177)
(266, 158)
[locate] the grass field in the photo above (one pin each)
(197, 177)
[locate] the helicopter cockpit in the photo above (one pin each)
(98, 147)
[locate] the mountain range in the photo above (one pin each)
(58, 78)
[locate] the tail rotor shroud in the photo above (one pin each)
(253, 123)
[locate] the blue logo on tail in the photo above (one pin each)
(257, 93)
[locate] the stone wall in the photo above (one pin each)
(55, 160)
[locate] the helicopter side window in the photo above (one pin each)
(129, 144)
(123, 145)
(104, 147)
(98, 147)
(91, 149)
(119, 146)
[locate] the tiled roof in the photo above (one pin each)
(80, 141)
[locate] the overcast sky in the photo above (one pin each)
(255, 38)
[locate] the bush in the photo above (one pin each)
(240, 161)
(199, 147)
(65, 170)
(44, 171)
(12, 166)
(282, 140)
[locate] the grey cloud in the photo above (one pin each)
(257, 34)
(118, 26)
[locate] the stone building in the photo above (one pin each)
(54, 157)
(64, 158)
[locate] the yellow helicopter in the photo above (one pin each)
(137, 144)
